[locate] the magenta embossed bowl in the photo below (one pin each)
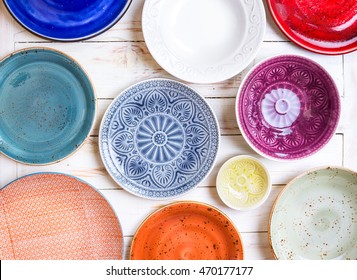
(287, 107)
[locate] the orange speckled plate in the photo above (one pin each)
(187, 230)
(55, 216)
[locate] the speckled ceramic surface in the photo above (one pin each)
(243, 183)
(159, 139)
(323, 26)
(67, 20)
(315, 216)
(52, 216)
(288, 107)
(187, 231)
(47, 106)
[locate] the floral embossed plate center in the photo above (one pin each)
(159, 139)
(288, 107)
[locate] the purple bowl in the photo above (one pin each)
(287, 107)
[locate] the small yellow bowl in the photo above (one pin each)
(243, 183)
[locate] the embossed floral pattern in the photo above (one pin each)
(288, 107)
(243, 183)
(159, 139)
(237, 61)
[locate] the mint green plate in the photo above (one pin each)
(315, 216)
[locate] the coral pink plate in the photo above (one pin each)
(55, 216)
(322, 26)
(187, 230)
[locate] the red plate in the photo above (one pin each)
(187, 231)
(55, 216)
(322, 26)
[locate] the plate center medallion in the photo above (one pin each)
(160, 138)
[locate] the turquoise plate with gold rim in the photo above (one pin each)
(47, 106)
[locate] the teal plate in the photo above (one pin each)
(47, 106)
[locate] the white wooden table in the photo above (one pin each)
(119, 58)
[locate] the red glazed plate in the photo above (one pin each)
(187, 230)
(322, 26)
(54, 216)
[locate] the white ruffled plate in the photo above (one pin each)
(203, 41)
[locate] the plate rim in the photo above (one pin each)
(82, 181)
(95, 104)
(244, 80)
(308, 46)
(201, 80)
(75, 39)
(102, 127)
(192, 202)
(291, 182)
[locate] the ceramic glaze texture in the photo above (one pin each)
(288, 107)
(323, 26)
(203, 45)
(47, 106)
(159, 139)
(243, 183)
(315, 217)
(187, 231)
(67, 20)
(54, 216)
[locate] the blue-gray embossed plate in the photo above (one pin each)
(47, 106)
(159, 139)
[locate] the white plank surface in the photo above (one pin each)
(119, 58)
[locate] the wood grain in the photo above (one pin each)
(119, 58)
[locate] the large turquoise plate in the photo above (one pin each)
(47, 106)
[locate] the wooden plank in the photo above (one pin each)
(114, 67)
(129, 28)
(7, 32)
(224, 109)
(256, 246)
(86, 163)
(8, 171)
(7, 166)
(349, 113)
(272, 33)
(132, 210)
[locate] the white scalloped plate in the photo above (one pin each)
(204, 41)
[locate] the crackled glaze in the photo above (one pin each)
(324, 26)
(288, 107)
(187, 231)
(203, 45)
(315, 217)
(243, 183)
(159, 139)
